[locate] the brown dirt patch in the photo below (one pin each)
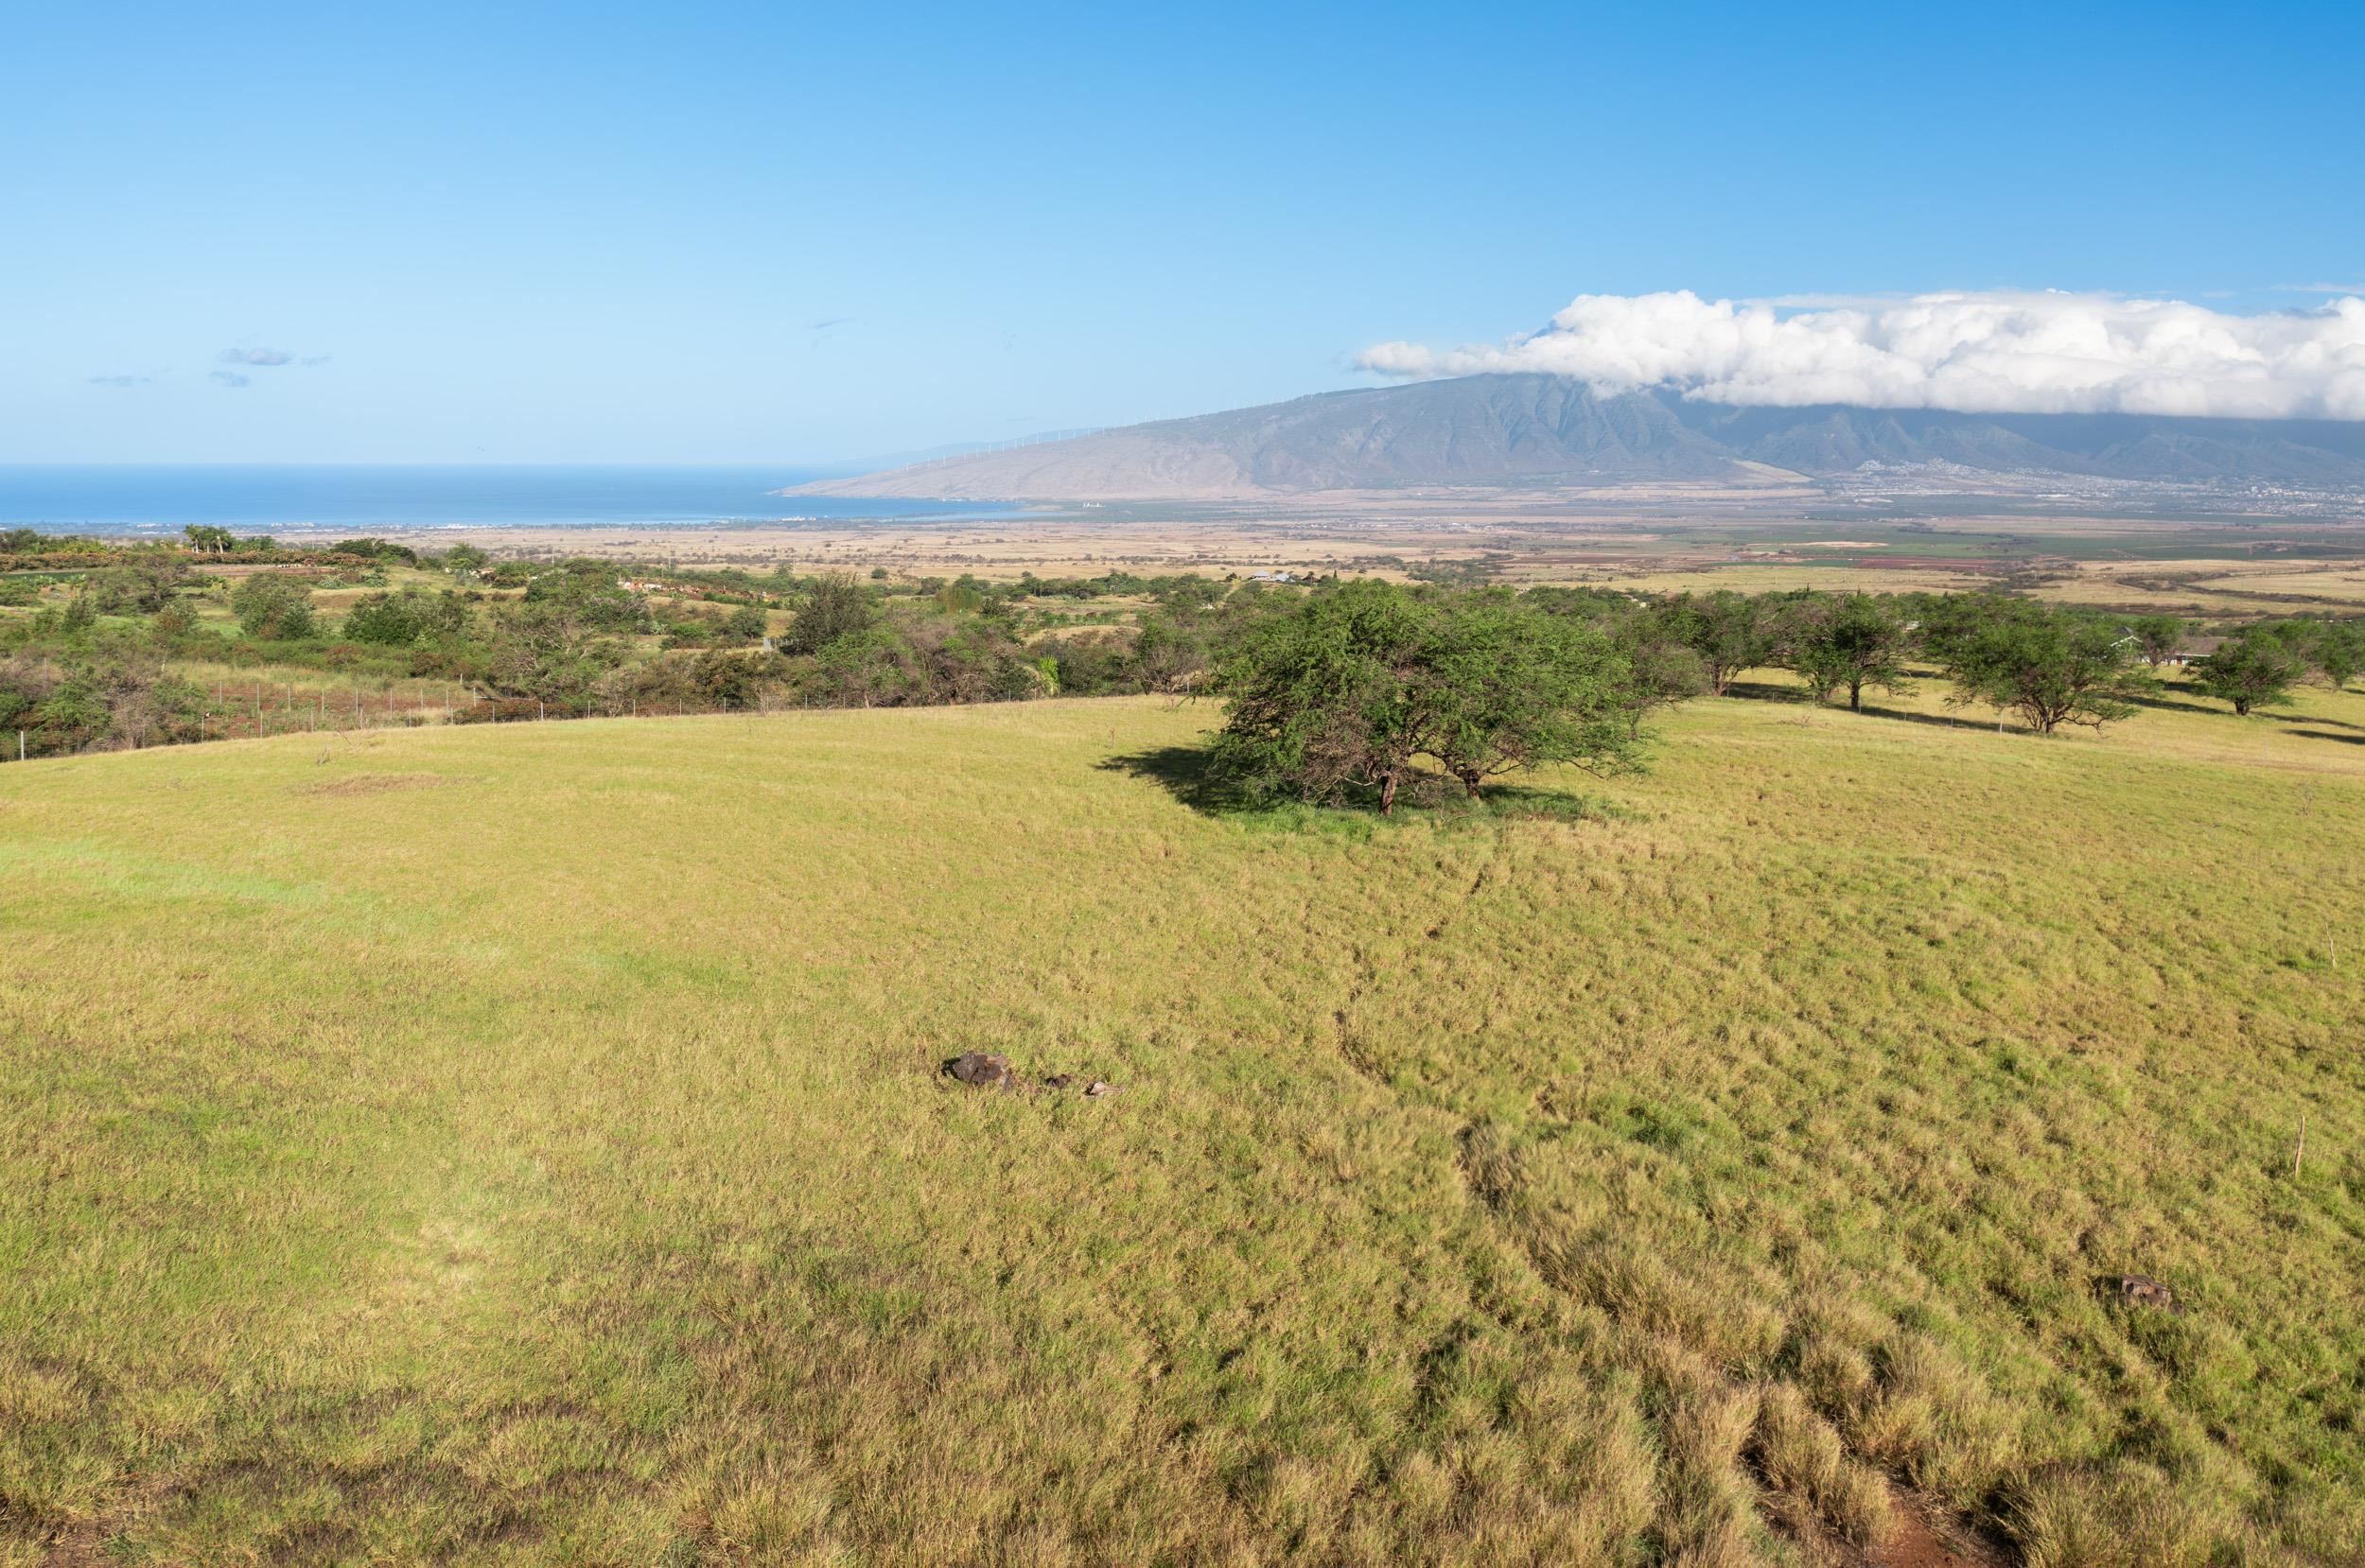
(371, 784)
(1915, 1543)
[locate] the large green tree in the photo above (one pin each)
(1320, 697)
(1500, 688)
(2255, 670)
(1727, 630)
(1849, 640)
(2338, 651)
(2158, 637)
(1345, 688)
(2052, 667)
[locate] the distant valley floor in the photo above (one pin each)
(2154, 550)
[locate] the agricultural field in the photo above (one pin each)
(1791, 577)
(529, 1144)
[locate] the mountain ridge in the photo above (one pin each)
(1528, 430)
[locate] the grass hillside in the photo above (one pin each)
(528, 1145)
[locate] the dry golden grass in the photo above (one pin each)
(2204, 587)
(2339, 583)
(1758, 578)
(551, 1165)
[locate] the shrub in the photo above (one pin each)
(836, 607)
(400, 620)
(275, 608)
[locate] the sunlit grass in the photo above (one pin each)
(1759, 578)
(529, 1145)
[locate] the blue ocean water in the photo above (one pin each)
(72, 498)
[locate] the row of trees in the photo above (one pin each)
(1469, 681)
(2052, 665)
(1346, 690)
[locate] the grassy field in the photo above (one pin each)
(528, 1145)
(1761, 578)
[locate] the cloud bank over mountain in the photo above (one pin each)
(1984, 353)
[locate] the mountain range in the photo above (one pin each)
(1531, 431)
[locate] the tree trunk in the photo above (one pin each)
(1470, 781)
(1855, 696)
(1386, 793)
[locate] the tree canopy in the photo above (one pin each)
(1851, 640)
(1348, 687)
(2255, 670)
(2053, 666)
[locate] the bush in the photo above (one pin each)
(114, 693)
(275, 608)
(141, 585)
(836, 607)
(400, 620)
(1095, 664)
(587, 595)
(374, 550)
(538, 651)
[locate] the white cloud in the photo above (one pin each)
(1989, 353)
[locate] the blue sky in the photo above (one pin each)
(599, 234)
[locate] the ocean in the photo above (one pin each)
(77, 499)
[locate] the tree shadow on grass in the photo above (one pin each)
(1188, 773)
(1755, 691)
(2155, 700)
(1765, 691)
(2325, 735)
(1946, 721)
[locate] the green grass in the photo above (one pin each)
(528, 1145)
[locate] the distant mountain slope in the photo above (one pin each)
(1832, 439)
(1514, 431)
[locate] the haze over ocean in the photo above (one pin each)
(168, 498)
